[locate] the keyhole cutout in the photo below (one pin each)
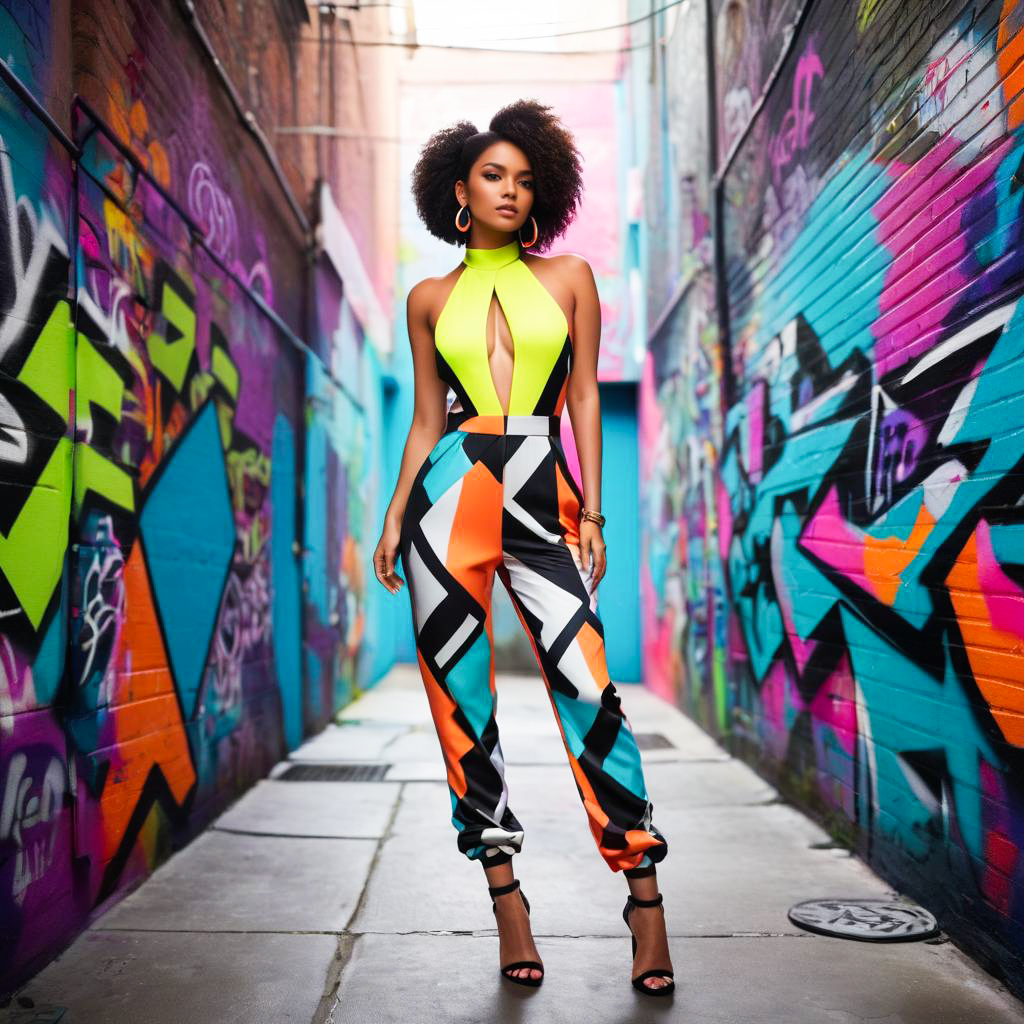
(501, 352)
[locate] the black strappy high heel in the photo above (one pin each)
(656, 972)
(500, 890)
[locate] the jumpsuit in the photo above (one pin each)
(495, 495)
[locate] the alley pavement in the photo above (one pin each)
(347, 901)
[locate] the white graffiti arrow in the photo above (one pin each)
(13, 437)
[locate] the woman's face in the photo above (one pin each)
(499, 188)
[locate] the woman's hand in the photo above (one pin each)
(384, 556)
(592, 551)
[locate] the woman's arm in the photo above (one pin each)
(584, 405)
(428, 421)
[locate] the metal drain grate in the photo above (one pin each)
(653, 741)
(334, 773)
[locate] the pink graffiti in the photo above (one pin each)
(833, 713)
(832, 539)
(724, 506)
(17, 689)
(794, 133)
(919, 222)
(1001, 852)
(780, 701)
(835, 705)
(756, 399)
(802, 649)
(1003, 598)
(937, 76)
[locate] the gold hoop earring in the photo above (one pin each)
(468, 222)
(532, 241)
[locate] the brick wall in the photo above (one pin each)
(835, 490)
(174, 615)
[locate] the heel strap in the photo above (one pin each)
(500, 890)
(645, 903)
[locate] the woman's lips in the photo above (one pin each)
(507, 211)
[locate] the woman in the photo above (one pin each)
(484, 489)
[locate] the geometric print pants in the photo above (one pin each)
(495, 496)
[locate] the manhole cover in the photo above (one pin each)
(333, 773)
(652, 741)
(867, 920)
(34, 1015)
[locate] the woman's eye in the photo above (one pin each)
(493, 175)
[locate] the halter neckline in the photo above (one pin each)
(492, 259)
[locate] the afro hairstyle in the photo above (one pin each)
(450, 153)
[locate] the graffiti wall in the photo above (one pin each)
(174, 613)
(337, 461)
(680, 411)
(841, 596)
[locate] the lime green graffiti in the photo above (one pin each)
(171, 354)
(224, 370)
(32, 554)
(100, 385)
(866, 13)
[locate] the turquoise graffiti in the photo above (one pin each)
(858, 631)
(153, 423)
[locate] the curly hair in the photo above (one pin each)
(451, 152)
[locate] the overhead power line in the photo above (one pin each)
(395, 43)
(602, 28)
(513, 39)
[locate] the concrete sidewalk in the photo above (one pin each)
(347, 901)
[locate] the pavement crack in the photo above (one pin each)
(284, 835)
(397, 737)
(347, 941)
(329, 996)
(383, 838)
(217, 931)
(491, 932)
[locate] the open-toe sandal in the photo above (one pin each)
(655, 972)
(500, 890)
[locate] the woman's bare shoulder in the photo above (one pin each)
(569, 263)
(567, 268)
(424, 294)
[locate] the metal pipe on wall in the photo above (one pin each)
(247, 117)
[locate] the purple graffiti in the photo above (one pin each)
(212, 207)
(30, 806)
(102, 606)
(900, 438)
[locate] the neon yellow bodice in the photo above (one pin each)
(540, 336)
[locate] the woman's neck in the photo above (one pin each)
(482, 238)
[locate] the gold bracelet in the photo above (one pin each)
(594, 517)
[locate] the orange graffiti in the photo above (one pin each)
(1009, 51)
(130, 123)
(886, 558)
(147, 728)
(994, 653)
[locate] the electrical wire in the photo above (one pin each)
(413, 45)
(603, 28)
(512, 39)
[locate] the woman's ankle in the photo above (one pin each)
(644, 887)
(499, 875)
